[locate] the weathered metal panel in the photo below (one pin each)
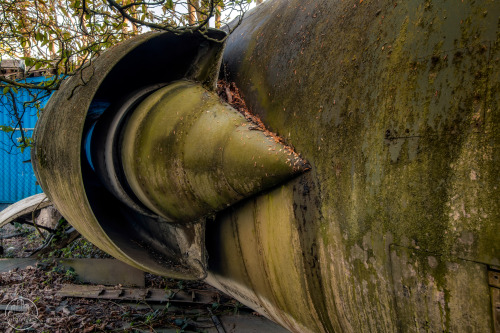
(17, 179)
(395, 106)
(70, 182)
(432, 292)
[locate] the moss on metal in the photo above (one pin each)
(394, 107)
(68, 179)
(187, 155)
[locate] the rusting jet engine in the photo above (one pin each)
(395, 107)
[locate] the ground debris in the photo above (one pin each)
(186, 311)
(57, 313)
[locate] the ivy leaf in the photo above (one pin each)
(6, 129)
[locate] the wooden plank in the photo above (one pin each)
(195, 296)
(133, 294)
(139, 294)
(101, 292)
(111, 294)
(159, 295)
(83, 291)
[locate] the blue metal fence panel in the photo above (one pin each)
(17, 179)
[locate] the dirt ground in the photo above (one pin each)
(37, 287)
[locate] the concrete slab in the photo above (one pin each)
(105, 271)
(13, 263)
(98, 271)
(248, 323)
(48, 217)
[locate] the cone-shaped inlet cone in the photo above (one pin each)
(186, 154)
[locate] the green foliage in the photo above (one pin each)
(81, 248)
(6, 129)
(63, 35)
(20, 227)
(9, 254)
(237, 307)
(215, 305)
(180, 284)
(59, 37)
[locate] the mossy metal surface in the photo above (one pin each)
(71, 183)
(396, 107)
(186, 154)
(138, 166)
(56, 155)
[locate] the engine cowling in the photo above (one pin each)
(394, 105)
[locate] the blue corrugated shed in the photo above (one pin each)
(17, 179)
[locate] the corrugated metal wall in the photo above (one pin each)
(17, 180)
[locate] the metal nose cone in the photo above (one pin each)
(186, 154)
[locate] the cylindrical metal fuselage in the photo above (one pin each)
(395, 227)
